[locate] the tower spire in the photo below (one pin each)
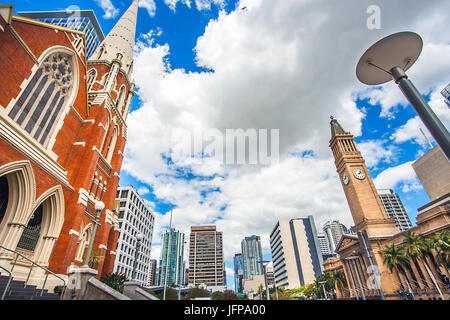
(336, 128)
(119, 43)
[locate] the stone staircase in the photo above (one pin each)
(18, 291)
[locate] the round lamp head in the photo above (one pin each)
(397, 50)
(99, 206)
(139, 237)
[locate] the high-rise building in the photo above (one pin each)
(81, 20)
(238, 272)
(394, 208)
(172, 258)
(62, 138)
(251, 255)
(446, 94)
(433, 170)
(334, 230)
(151, 278)
(134, 218)
(206, 262)
(296, 255)
(270, 276)
(323, 243)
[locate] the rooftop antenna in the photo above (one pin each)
(431, 146)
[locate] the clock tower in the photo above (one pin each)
(365, 205)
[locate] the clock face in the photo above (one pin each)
(359, 173)
(345, 178)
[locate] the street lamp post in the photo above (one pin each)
(323, 287)
(99, 206)
(265, 278)
(139, 238)
(388, 59)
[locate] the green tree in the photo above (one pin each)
(338, 279)
(115, 280)
(171, 294)
(226, 295)
(396, 260)
(197, 292)
(416, 248)
(441, 244)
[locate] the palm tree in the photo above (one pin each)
(416, 249)
(338, 279)
(395, 259)
(441, 243)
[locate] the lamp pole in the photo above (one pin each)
(323, 287)
(426, 114)
(139, 238)
(99, 206)
(389, 59)
(265, 278)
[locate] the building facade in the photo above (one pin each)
(251, 255)
(62, 138)
(446, 94)
(334, 230)
(238, 272)
(361, 256)
(206, 263)
(171, 269)
(81, 20)
(394, 208)
(433, 171)
(134, 218)
(152, 279)
(296, 256)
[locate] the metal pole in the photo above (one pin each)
(426, 114)
(167, 255)
(324, 292)
(91, 241)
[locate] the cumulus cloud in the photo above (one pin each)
(143, 191)
(285, 65)
(149, 5)
(402, 176)
(109, 9)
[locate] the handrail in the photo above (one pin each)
(7, 284)
(31, 268)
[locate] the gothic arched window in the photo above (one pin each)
(39, 106)
(120, 98)
(112, 145)
(92, 75)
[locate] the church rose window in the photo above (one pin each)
(41, 103)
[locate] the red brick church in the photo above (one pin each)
(62, 137)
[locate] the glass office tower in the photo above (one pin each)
(81, 20)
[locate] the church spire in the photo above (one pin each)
(119, 43)
(336, 128)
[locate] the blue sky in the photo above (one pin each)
(236, 69)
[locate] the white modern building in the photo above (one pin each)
(134, 218)
(394, 208)
(296, 255)
(334, 230)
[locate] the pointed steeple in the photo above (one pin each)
(119, 43)
(336, 128)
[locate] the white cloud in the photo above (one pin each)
(143, 191)
(399, 176)
(149, 5)
(108, 8)
(286, 65)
